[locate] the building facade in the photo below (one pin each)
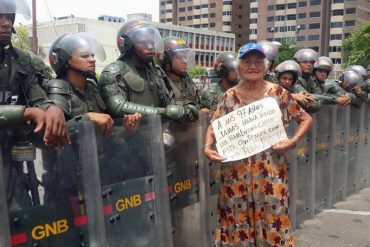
(318, 24)
(206, 44)
(218, 15)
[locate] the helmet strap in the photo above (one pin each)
(86, 74)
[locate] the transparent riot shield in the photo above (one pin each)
(355, 145)
(325, 123)
(305, 187)
(364, 171)
(134, 185)
(52, 196)
(181, 152)
(341, 145)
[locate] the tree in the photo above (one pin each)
(20, 39)
(286, 52)
(356, 47)
(197, 71)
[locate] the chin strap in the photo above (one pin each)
(86, 74)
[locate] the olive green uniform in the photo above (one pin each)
(19, 88)
(127, 90)
(333, 88)
(271, 77)
(212, 96)
(365, 87)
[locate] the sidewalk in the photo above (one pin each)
(347, 224)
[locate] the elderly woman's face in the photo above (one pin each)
(252, 67)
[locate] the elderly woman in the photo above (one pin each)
(253, 198)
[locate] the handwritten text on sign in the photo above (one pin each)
(249, 130)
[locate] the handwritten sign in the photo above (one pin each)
(249, 130)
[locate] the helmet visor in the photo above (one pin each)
(15, 7)
(81, 44)
(147, 39)
(184, 58)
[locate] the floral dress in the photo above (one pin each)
(253, 199)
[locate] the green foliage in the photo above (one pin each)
(286, 52)
(20, 39)
(197, 71)
(356, 47)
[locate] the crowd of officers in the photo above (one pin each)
(149, 77)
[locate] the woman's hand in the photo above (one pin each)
(56, 133)
(212, 155)
(36, 116)
(104, 121)
(283, 146)
(304, 98)
(131, 122)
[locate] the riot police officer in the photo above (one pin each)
(349, 84)
(20, 95)
(287, 74)
(271, 51)
(176, 61)
(322, 68)
(133, 83)
(225, 67)
(306, 59)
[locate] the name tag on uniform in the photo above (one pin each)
(5, 97)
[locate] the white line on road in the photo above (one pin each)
(344, 211)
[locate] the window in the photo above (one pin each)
(254, 10)
(196, 16)
(336, 24)
(301, 27)
(336, 60)
(182, 9)
(212, 5)
(315, 2)
(350, 23)
(270, 7)
(162, 12)
(226, 23)
(270, 18)
(337, 12)
(302, 15)
(204, 6)
(227, 13)
(280, 7)
(315, 14)
(314, 26)
(190, 8)
(182, 18)
(291, 17)
(335, 37)
(313, 37)
(205, 16)
(338, 1)
(163, 3)
(168, 10)
(212, 15)
(280, 18)
(350, 11)
(197, 7)
(335, 49)
(302, 4)
(253, 20)
(181, 1)
(253, 31)
(190, 18)
(212, 24)
(301, 38)
(204, 25)
(292, 5)
(315, 48)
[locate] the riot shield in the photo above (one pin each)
(355, 145)
(339, 189)
(182, 165)
(324, 157)
(52, 196)
(364, 171)
(134, 185)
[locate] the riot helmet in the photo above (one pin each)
(324, 63)
(141, 36)
(289, 66)
(359, 69)
(178, 55)
(350, 79)
(74, 44)
(15, 7)
(305, 55)
(224, 63)
(271, 50)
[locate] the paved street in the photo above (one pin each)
(347, 224)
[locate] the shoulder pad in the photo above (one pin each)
(113, 68)
(109, 74)
(36, 62)
(57, 86)
(23, 57)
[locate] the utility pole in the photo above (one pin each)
(34, 31)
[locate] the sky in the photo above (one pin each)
(91, 8)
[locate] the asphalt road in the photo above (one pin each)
(347, 224)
